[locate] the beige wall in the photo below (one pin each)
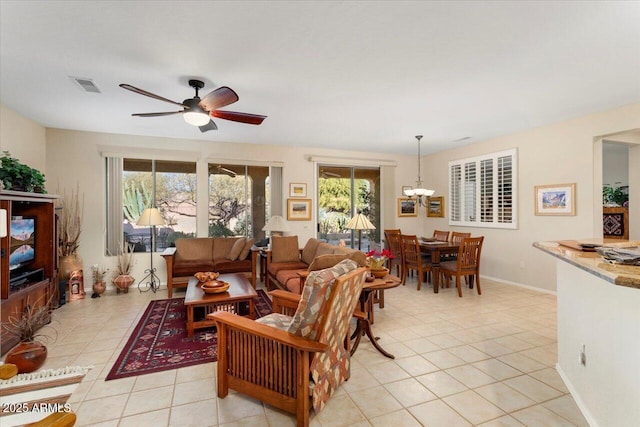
(24, 139)
(556, 154)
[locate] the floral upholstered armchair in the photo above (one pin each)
(295, 357)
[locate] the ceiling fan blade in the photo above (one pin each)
(226, 171)
(252, 119)
(149, 94)
(168, 113)
(218, 98)
(208, 126)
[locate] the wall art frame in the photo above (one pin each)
(555, 199)
(298, 209)
(407, 207)
(297, 189)
(435, 206)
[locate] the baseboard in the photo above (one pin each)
(576, 397)
(520, 285)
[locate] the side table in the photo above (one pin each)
(364, 313)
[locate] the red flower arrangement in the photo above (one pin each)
(378, 258)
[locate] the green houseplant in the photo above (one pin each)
(18, 176)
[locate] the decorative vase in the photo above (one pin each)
(68, 264)
(379, 273)
(27, 356)
(122, 283)
(99, 288)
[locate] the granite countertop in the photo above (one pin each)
(622, 275)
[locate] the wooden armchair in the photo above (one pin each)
(296, 357)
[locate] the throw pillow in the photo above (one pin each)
(326, 261)
(246, 249)
(236, 249)
(285, 249)
(309, 250)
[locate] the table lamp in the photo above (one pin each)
(360, 222)
(150, 218)
(276, 225)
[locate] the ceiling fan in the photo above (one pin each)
(198, 112)
(225, 171)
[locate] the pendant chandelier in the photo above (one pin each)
(419, 191)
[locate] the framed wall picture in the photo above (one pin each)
(407, 207)
(435, 206)
(298, 209)
(297, 189)
(558, 199)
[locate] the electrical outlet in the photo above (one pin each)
(582, 356)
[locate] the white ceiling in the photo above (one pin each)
(358, 75)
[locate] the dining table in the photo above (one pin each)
(437, 248)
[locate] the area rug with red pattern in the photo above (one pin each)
(159, 342)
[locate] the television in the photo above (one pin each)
(22, 247)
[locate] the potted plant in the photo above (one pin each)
(122, 276)
(30, 353)
(69, 230)
(97, 274)
(376, 260)
(18, 176)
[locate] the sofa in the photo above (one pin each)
(220, 254)
(287, 265)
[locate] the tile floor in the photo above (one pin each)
(478, 360)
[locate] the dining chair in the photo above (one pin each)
(442, 236)
(413, 259)
(467, 264)
(394, 244)
(456, 237)
(296, 357)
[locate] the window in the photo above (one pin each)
(482, 191)
(136, 184)
(344, 191)
(168, 185)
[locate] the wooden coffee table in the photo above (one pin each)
(238, 299)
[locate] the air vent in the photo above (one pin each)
(85, 84)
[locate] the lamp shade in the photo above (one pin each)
(149, 217)
(3, 223)
(360, 222)
(276, 223)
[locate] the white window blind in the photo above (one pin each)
(482, 191)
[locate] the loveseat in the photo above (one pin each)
(287, 265)
(221, 254)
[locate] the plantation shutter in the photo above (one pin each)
(482, 191)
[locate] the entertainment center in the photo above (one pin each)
(28, 259)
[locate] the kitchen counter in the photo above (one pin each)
(598, 318)
(622, 275)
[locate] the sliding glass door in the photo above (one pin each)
(343, 191)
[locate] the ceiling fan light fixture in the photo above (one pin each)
(196, 118)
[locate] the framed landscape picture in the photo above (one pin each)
(558, 199)
(297, 189)
(298, 209)
(407, 207)
(435, 207)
